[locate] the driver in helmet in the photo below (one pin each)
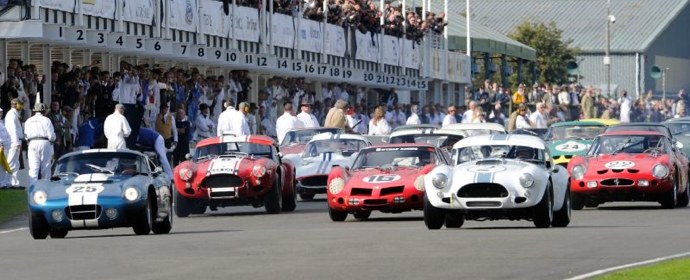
(128, 166)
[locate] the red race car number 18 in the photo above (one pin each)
(382, 178)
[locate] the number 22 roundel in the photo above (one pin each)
(381, 178)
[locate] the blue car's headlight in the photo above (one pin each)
(40, 197)
(131, 193)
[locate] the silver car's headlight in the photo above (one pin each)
(526, 180)
(578, 172)
(40, 197)
(439, 180)
(131, 193)
(660, 171)
(336, 185)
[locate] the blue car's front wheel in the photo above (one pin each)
(38, 226)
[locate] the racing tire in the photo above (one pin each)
(454, 220)
(142, 223)
(670, 199)
(273, 199)
(58, 233)
(290, 201)
(336, 216)
(434, 218)
(38, 227)
(306, 196)
(165, 226)
(199, 209)
(182, 205)
(362, 215)
(577, 202)
(543, 211)
(562, 217)
(684, 198)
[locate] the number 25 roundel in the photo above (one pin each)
(381, 178)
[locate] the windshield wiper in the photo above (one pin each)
(100, 169)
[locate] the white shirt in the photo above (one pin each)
(14, 127)
(538, 120)
(467, 116)
(625, 109)
(129, 89)
(239, 124)
(450, 119)
(39, 126)
(5, 137)
(382, 128)
(285, 123)
(308, 120)
(564, 98)
(116, 126)
(413, 119)
(225, 121)
(521, 122)
(202, 127)
(251, 123)
(268, 127)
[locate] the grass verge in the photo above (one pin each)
(668, 270)
(12, 203)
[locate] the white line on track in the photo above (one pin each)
(611, 269)
(12, 230)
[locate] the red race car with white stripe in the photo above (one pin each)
(388, 178)
(234, 171)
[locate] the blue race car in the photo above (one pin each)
(99, 189)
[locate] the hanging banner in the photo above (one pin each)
(411, 54)
(335, 40)
(391, 45)
(310, 36)
(139, 11)
(99, 8)
(61, 5)
(283, 30)
(183, 15)
(213, 19)
(367, 46)
(246, 24)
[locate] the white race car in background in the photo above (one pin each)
(498, 177)
(474, 129)
(320, 154)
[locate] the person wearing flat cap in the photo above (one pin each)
(40, 134)
(16, 132)
(306, 117)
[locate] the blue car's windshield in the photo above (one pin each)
(102, 162)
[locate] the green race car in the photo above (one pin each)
(568, 139)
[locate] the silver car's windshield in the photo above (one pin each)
(484, 152)
(346, 147)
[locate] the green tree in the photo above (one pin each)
(552, 51)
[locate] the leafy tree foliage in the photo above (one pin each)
(552, 51)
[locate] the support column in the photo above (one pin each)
(504, 71)
(25, 53)
(3, 60)
(254, 91)
(86, 58)
(487, 66)
(535, 77)
(47, 91)
(438, 87)
(106, 64)
(67, 56)
(519, 69)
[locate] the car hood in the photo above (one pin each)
(488, 170)
(568, 147)
(88, 186)
(379, 177)
(622, 161)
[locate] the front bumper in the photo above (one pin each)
(511, 198)
(110, 212)
(387, 203)
(604, 190)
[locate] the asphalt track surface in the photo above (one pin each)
(246, 243)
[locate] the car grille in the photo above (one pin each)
(316, 181)
(483, 204)
(375, 202)
(222, 181)
(392, 190)
(604, 171)
(483, 190)
(83, 212)
(360, 191)
(617, 182)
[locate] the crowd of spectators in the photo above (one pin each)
(363, 15)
